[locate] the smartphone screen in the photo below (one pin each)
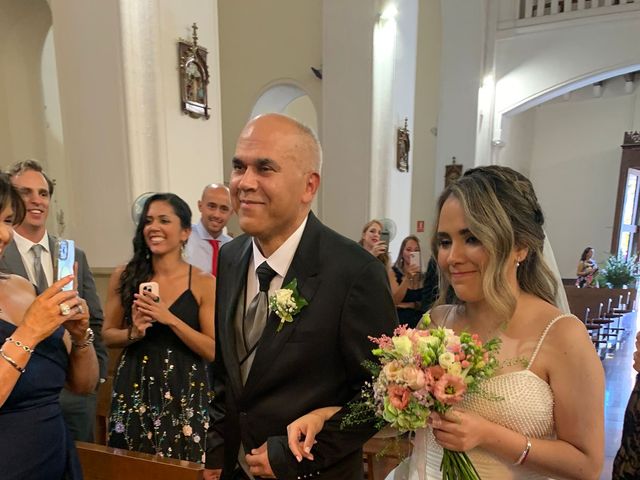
(415, 259)
(65, 260)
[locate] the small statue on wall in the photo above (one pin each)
(194, 76)
(452, 172)
(403, 145)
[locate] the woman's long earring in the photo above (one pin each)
(183, 250)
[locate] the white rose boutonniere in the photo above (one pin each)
(287, 303)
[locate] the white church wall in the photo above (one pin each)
(423, 193)
(263, 44)
(574, 165)
(23, 28)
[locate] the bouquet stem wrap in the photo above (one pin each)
(419, 457)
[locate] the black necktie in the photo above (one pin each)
(256, 317)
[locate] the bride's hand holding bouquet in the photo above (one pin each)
(420, 376)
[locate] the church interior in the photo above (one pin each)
(403, 94)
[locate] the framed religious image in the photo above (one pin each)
(194, 77)
(403, 145)
(453, 171)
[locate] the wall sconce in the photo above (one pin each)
(597, 89)
(628, 82)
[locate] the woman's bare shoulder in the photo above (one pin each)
(18, 284)
(439, 314)
(203, 283)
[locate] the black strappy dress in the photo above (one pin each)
(161, 392)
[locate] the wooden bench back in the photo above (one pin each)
(581, 298)
(106, 463)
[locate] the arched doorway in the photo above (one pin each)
(291, 100)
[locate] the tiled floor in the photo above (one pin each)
(620, 378)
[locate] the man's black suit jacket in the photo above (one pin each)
(316, 361)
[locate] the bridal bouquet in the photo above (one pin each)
(421, 371)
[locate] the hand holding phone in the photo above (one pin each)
(65, 259)
(150, 287)
(384, 237)
(415, 259)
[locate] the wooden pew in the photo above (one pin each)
(381, 455)
(581, 298)
(106, 463)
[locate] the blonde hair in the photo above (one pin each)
(383, 257)
(502, 212)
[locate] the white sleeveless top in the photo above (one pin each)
(521, 402)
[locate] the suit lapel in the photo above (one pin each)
(304, 267)
(235, 285)
(12, 261)
(53, 252)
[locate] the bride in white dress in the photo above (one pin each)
(542, 415)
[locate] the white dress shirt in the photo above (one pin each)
(198, 250)
(24, 247)
(279, 261)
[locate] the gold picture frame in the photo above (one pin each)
(194, 77)
(403, 145)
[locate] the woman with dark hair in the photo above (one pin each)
(406, 282)
(45, 343)
(161, 389)
(587, 269)
(542, 415)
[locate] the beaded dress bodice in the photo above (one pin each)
(520, 401)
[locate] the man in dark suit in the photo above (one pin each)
(264, 381)
(36, 189)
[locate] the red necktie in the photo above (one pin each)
(215, 244)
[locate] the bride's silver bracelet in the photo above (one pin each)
(525, 453)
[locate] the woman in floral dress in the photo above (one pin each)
(161, 389)
(587, 270)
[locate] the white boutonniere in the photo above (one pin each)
(287, 303)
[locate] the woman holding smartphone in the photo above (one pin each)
(45, 343)
(160, 309)
(406, 282)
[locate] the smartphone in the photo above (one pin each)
(150, 287)
(384, 237)
(415, 259)
(65, 259)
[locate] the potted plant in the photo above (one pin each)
(620, 272)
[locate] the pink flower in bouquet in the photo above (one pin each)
(449, 389)
(414, 377)
(435, 373)
(398, 396)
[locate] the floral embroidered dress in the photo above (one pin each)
(161, 392)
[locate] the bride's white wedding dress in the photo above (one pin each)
(522, 402)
